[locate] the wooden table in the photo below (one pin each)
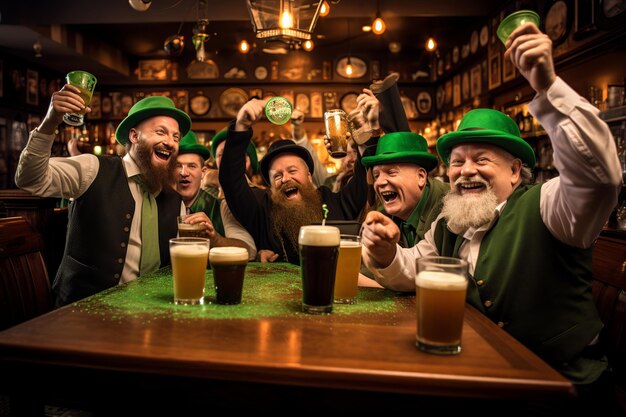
(133, 341)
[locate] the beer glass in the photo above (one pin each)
(228, 264)
(440, 289)
(513, 21)
(348, 267)
(189, 230)
(189, 256)
(86, 83)
(319, 250)
(336, 123)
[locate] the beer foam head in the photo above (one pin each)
(438, 280)
(319, 236)
(228, 254)
(186, 226)
(350, 241)
(189, 250)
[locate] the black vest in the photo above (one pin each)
(99, 230)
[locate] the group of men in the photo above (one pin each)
(528, 246)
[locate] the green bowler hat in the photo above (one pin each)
(487, 126)
(251, 151)
(150, 107)
(402, 147)
(189, 144)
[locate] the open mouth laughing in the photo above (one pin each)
(469, 187)
(389, 196)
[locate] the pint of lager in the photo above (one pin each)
(348, 267)
(440, 286)
(229, 267)
(189, 256)
(319, 250)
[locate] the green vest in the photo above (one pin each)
(424, 214)
(536, 287)
(211, 207)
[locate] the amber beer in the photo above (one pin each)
(440, 299)
(319, 250)
(190, 229)
(348, 267)
(336, 124)
(189, 258)
(229, 267)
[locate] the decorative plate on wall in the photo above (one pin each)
(231, 100)
(199, 104)
(474, 42)
(260, 72)
(359, 67)
(348, 102)
(484, 35)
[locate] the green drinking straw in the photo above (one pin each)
(325, 210)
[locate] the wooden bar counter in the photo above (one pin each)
(133, 343)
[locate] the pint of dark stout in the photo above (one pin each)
(319, 250)
(229, 267)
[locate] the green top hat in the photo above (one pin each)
(487, 126)
(189, 144)
(407, 147)
(251, 151)
(150, 107)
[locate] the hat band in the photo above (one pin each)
(470, 129)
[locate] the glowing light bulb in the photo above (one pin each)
(325, 9)
(378, 26)
(349, 70)
(244, 47)
(286, 20)
(431, 44)
(97, 150)
(308, 45)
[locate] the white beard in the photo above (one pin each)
(470, 210)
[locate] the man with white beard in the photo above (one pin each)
(528, 246)
(111, 238)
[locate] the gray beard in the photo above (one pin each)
(468, 211)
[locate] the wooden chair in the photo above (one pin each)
(609, 294)
(24, 286)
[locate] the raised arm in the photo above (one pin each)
(575, 205)
(55, 177)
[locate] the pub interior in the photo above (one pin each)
(210, 59)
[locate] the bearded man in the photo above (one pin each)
(124, 210)
(273, 217)
(528, 247)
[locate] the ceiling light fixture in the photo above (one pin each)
(308, 46)
(378, 25)
(325, 9)
(287, 21)
(200, 35)
(349, 69)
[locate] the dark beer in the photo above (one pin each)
(229, 267)
(319, 250)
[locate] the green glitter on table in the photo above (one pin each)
(270, 290)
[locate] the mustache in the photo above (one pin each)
(289, 184)
(474, 178)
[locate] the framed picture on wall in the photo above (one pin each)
(475, 81)
(508, 70)
(494, 70)
(557, 20)
(316, 104)
(585, 18)
(32, 87)
(611, 14)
